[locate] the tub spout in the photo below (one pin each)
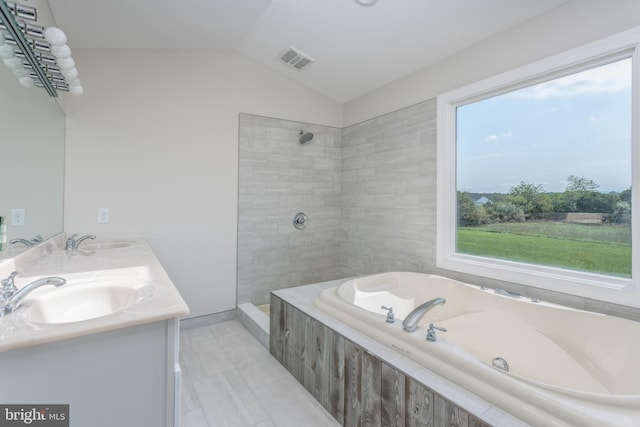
(410, 323)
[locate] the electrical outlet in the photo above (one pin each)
(103, 215)
(17, 217)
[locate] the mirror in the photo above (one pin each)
(32, 127)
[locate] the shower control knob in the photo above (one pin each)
(300, 220)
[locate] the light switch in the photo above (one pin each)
(17, 217)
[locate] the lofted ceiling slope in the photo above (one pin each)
(356, 49)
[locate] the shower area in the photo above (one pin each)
(289, 211)
(318, 203)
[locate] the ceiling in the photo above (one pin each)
(356, 49)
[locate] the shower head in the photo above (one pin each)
(305, 137)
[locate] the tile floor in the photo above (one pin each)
(229, 379)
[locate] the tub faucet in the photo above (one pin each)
(390, 316)
(410, 323)
(11, 297)
(73, 243)
(431, 332)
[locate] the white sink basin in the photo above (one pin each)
(78, 301)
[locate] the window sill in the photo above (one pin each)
(587, 285)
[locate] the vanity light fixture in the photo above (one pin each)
(366, 2)
(35, 55)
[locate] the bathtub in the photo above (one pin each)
(565, 366)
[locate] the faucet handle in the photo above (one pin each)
(71, 240)
(8, 286)
(431, 332)
(390, 316)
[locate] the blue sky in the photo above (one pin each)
(578, 124)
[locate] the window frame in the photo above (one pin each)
(623, 291)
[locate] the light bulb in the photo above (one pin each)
(26, 81)
(6, 51)
(66, 63)
(76, 90)
(61, 52)
(19, 72)
(73, 81)
(70, 74)
(13, 63)
(55, 36)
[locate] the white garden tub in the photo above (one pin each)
(565, 366)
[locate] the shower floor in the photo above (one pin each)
(264, 308)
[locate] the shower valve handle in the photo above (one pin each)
(300, 220)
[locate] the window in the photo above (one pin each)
(534, 174)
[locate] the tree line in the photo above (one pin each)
(528, 201)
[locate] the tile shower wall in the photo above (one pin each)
(278, 178)
(389, 192)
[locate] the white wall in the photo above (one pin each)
(154, 138)
(575, 23)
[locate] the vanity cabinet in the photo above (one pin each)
(123, 377)
(114, 363)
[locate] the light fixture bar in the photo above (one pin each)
(22, 11)
(14, 30)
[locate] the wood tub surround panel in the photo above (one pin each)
(353, 385)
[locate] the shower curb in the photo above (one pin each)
(255, 321)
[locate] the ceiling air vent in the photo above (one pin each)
(295, 58)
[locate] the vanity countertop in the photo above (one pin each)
(95, 261)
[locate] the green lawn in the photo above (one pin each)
(552, 244)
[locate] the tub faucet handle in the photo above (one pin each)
(390, 316)
(431, 332)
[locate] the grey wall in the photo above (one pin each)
(389, 192)
(278, 178)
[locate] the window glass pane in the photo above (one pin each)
(544, 173)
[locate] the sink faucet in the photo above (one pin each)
(11, 297)
(73, 243)
(26, 242)
(410, 323)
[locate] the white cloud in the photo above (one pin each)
(607, 78)
(498, 137)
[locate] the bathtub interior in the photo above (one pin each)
(563, 349)
(401, 291)
(530, 354)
